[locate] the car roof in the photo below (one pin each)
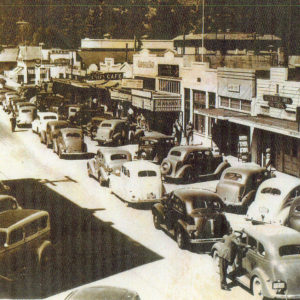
(58, 122)
(190, 148)
(247, 169)
(11, 217)
(46, 113)
(185, 194)
(109, 151)
(70, 129)
(273, 235)
(141, 165)
(2, 197)
(284, 185)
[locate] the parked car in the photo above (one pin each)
(273, 200)
(24, 231)
(116, 132)
(293, 219)
(40, 122)
(181, 214)
(155, 147)
(238, 185)
(91, 128)
(139, 181)
(26, 115)
(8, 203)
(103, 293)
(51, 132)
(107, 161)
(192, 163)
(270, 263)
(69, 141)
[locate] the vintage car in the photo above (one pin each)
(103, 293)
(26, 114)
(139, 181)
(47, 137)
(40, 122)
(238, 185)
(116, 132)
(273, 200)
(69, 141)
(107, 161)
(268, 262)
(91, 128)
(182, 212)
(192, 163)
(293, 219)
(8, 203)
(24, 231)
(155, 147)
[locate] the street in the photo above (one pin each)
(100, 240)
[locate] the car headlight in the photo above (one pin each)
(278, 285)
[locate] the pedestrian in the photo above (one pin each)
(227, 254)
(119, 110)
(178, 129)
(13, 120)
(130, 114)
(94, 103)
(189, 133)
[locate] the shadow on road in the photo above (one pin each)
(87, 249)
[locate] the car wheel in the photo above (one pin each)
(156, 220)
(181, 239)
(257, 289)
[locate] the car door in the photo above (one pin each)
(249, 261)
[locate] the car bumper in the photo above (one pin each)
(205, 240)
(144, 200)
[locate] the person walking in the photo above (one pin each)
(13, 120)
(119, 110)
(178, 131)
(189, 133)
(130, 115)
(227, 255)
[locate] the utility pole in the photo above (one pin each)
(202, 30)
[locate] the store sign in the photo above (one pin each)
(277, 101)
(233, 88)
(143, 94)
(132, 83)
(105, 76)
(146, 64)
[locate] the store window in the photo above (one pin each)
(199, 123)
(199, 99)
(169, 86)
(245, 105)
(168, 70)
(224, 102)
(235, 104)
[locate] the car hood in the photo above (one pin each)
(266, 209)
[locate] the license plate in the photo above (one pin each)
(263, 210)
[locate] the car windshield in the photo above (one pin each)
(149, 142)
(146, 173)
(175, 153)
(272, 191)
(7, 204)
(60, 126)
(50, 118)
(25, 110)
(107, 125)
(233, 176)
(73, 135)
(289, 250)
(118, 156)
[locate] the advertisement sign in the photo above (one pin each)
(233, 88)
(132, 83)
(277, 101)
(106, 76)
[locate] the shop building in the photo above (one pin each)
(8, 59)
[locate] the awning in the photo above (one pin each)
(108, 84)
(285, 127)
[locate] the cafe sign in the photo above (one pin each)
(277, 101)
(106, 76)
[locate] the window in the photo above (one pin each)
(147, 173)
(31, 228)
(252, 243)
(245, 105)
(169, 86)
(235, 104)
(233, 176)
(261, 249)
(7, 204)
(289, 250)
(16, 236)
(199, 123)
(224, 102)
(73, 135)
(277, 88)
(25, 110)
(49, 118)
(118, 156)
(2, 239)
(175, 153)
(43, 222)
(168, 70)
(199, 99)
(106, 125)
(272, 191)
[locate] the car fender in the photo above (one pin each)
(266, 284)
(221, 167)
(116, 136)
(182, 170)
(158, 207)
(217, 247)
(42, 248)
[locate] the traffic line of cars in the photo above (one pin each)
(190, 215)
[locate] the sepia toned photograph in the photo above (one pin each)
(150, 149)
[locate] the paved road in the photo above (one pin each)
(155, 267)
